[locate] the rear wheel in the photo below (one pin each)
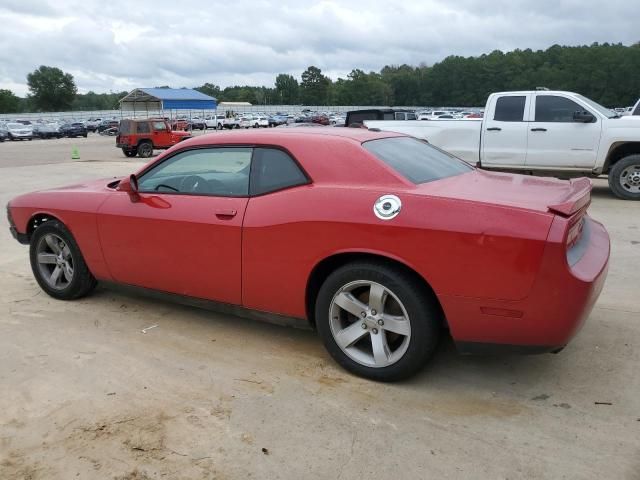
(145, 149)
(377, 321)
(57, 262)
(624, 178)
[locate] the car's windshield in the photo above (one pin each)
(415, 159)
(15, 125)
(607, 112)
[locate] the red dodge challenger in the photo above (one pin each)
(378, 240)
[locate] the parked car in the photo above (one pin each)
(92, 124)
(142, 137)
(277, 120)
(71, 130)
(4, 133)
(245, 121)
(19, 131)
(47, 130)
(356, 117)
(215, 121)
(198, 123)
(260, 121)
(541, 132)
(106, 124)
(505, 262)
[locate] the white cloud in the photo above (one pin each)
(119, 45)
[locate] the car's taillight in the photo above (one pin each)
(575, 232)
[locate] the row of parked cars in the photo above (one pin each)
(28, 130)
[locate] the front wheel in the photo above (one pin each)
(624, 178)
(130, 153)
(145, 149)
(57, 262)
(377, 321)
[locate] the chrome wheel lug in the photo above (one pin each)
(364, 326)
(375, 331)
(363, 314)
(380, 322)
(373, 312)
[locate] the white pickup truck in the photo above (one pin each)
(540, 132)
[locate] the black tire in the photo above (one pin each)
(621, 168)
(82, 282)
(85, 135)
(422, 310)
(130, 153)
(145, 149)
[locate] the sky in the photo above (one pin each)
(119, 45)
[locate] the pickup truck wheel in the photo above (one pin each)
(377, 321)
(219, 126)
(624, 178)
(145, 149)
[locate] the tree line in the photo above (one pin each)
(607, 73)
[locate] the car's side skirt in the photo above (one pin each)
(218, 307)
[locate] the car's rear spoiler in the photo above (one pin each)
(577, 198)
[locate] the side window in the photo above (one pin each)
(159, 126)
(273, 170)
(550, 108)
(510, 109)
(222, 172)
(411, 116)
(399, 116)
(143, 127)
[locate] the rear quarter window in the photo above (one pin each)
(416, 160)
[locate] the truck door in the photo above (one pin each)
(161, 134)
(505, 128)
(556, 139)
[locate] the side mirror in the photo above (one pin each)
(583, 117)
(130, 185)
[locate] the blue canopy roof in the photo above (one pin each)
(167, 99)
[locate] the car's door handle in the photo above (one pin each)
(226, 212)
(538, 129)
(494, 129)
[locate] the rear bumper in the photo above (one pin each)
(560, 301)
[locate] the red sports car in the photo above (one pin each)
(376, 239)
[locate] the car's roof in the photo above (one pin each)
(358, 135)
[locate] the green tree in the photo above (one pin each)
(9, 103)
(315, 87)
(210, 89)
(51, 89)
(287, 89)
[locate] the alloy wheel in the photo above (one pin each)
(55, 261)
(369, 323)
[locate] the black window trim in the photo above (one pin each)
(535, 106)
(252, 146)
(524, 108)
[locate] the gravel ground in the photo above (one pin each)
(85, 394)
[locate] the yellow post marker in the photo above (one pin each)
(75, 153)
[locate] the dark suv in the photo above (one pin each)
(75, 129)
(142, 137)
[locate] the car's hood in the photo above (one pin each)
(89, 186)
(520, 191)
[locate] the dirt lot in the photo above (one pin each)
(85, 394)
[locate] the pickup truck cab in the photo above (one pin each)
(541, 132)
(142, 137)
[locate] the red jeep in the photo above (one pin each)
(142, 137)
